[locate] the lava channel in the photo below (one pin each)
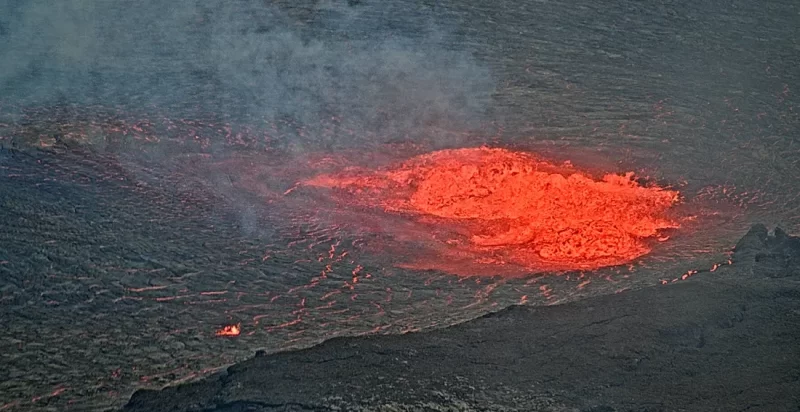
(488, 208)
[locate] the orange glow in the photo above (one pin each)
(505, 207)
(230, 330)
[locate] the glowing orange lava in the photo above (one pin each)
(230, 330)
(506, 207)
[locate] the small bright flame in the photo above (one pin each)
(230, 330)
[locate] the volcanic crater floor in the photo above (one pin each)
(726, 340)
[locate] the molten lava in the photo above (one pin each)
(230, 330)
(506, 207)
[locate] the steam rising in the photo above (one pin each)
(252, 61)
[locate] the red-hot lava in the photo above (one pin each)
(230, 330)
(502, 207)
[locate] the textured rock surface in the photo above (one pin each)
(724, 340)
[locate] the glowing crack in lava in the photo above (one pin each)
(230, 330)
(506, 207)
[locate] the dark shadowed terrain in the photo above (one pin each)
(724, 341)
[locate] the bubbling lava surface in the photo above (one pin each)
(505, 208)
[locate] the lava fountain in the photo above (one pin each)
(498, 211)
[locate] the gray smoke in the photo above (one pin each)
(384, 67)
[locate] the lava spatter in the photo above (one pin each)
(507, 207)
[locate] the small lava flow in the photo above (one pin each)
(507, 208)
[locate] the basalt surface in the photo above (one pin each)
(726, 340)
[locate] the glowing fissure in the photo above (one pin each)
(514, 208)
(230, 330)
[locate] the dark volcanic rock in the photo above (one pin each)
(773, 256)
(724, 340)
